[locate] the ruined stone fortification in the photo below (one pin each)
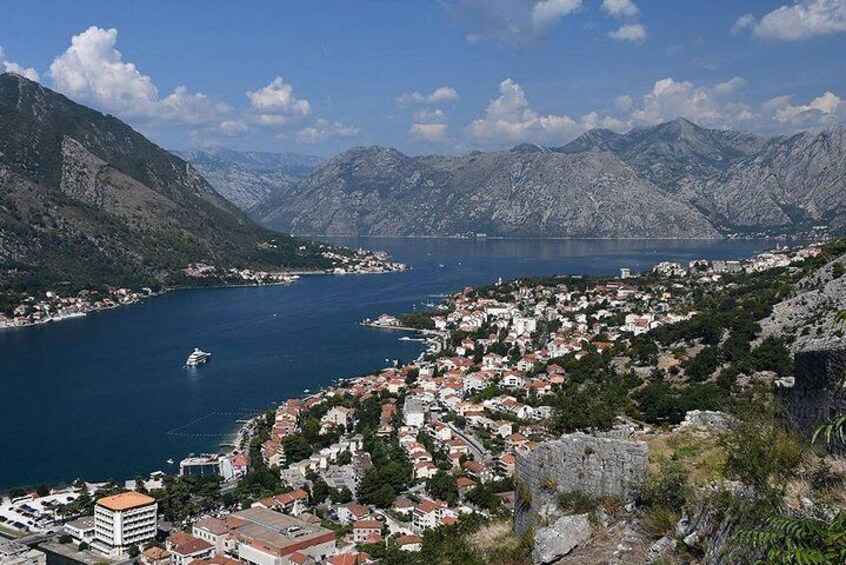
(817, 393)
(576, 462)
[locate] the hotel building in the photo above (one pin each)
(124, 520)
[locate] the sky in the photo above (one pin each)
(433, 76)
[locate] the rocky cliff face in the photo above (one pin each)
(379, 191)
(672, 180)
(85, 199)
(807, 318)
(799, 181)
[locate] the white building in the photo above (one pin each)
(124, 520)
(337, 416)
(81, 530)
(413, 412)
(13, 553)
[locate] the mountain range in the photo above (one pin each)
(672, 180)
(250, 178)
(85, 199)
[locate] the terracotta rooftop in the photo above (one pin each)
(368, 524)
(186, 544)
(408, 540)
(126, 500)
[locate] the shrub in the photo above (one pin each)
(762, 451)
(659, 520)
(577, 502)
(668, 487)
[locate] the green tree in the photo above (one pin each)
(703, 365)
(443, 487)
(787, 540)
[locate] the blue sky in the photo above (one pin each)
(433, 76)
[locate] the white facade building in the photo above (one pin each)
(413, 412)
(124, 520)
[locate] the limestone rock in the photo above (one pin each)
(576, 463)
(560, 538)
(706, 420)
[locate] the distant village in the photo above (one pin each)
(52, 306)
(458, 417)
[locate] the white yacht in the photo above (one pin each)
(197, 357)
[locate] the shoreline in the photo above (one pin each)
(240, 433)
(529, 238)
(166, 290)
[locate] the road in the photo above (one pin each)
(479, 451)
(33, 539)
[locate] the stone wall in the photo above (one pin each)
(576, 462)
(817, 393)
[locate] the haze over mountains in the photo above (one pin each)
(85, 199)
(675, 179)
(250, 178)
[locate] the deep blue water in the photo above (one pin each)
(107, 395)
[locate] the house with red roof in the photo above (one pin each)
(364, 529)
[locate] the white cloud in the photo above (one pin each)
(323, 131)
(515, 22)
(802, 20)
(440, 95)
(510, 119)
(430, 116)
(669, 99)
(547, 13)
(623, 102)
(12, 67)
(620, 8)
(719, 106)
(430, 124)
(233, 127)
(276, 105)
(429, 132)
(732, 85)
(743, 23)
(93, 71)
(634, 33)
(823, 111)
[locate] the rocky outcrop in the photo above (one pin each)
(807, 317)
(575, 463)
(705, 420)
(560, 538)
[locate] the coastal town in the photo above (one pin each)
(363, 471)
(29, 308)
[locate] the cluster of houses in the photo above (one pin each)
(704, 268)
(53, 307)
(482, 396)
(363, 261)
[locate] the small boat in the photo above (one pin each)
(197, 357)
(169, 461)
